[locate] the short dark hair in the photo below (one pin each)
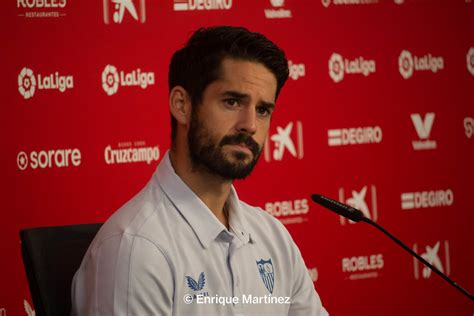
(197, 64)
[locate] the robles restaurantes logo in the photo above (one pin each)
(470, 60)
(437, 255)
(278, 11)
(363, 267)
(359, 200)
(427, 199)
(192, 5)
(339, 66)
(290, 211)
(354, 136)
(120, 7)
(283, 142)
(296, 70)
(41, 8)
(112, 79)
(423, 129)
(408, 64)
(469, 126)
(28, 83)
(53, 158)
(128, 152)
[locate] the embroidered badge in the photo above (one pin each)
(199, 285)
(265, 267)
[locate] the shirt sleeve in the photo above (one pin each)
(126, 275)
(305, 300)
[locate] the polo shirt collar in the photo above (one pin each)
(201, 219)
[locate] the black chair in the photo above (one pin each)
(51, 256)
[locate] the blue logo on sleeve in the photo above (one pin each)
(265, 267)
(199, 285)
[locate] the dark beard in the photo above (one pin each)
(205, 153)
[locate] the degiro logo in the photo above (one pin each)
(338, 66)
(112, 79)
(28, 83)
(53, 158)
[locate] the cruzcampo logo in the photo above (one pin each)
(199, 285)
(265, 268)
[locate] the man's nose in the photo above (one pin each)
(247, 120)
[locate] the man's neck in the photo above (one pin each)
(212, 189)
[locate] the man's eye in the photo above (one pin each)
(232, 102)
(263, 111)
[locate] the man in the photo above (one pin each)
(186, 244)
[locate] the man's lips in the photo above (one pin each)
(241, 147)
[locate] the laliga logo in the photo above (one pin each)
(470, 60)
(338, 66)
(296, 70)
(112, 79)
(26, 83)
(407, 63)
(469, 126)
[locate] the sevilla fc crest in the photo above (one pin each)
(265, 268)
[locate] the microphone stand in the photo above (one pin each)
(356, 216)
(417, 256)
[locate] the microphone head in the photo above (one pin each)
(342, 209)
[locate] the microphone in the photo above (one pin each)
(356, 216)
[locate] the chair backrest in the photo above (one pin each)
(51, 256)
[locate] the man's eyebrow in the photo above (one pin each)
(240, 95)
(235, 94)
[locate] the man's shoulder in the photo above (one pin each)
(132, 218)
(259, 219)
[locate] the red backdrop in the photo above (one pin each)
(378, 113)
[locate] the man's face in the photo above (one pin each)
(228, 129)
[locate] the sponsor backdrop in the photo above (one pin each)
(378, 113)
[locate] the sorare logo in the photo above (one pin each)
(48, 159)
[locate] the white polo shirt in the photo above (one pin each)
(165, 253)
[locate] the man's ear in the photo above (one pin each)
(180, 105)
